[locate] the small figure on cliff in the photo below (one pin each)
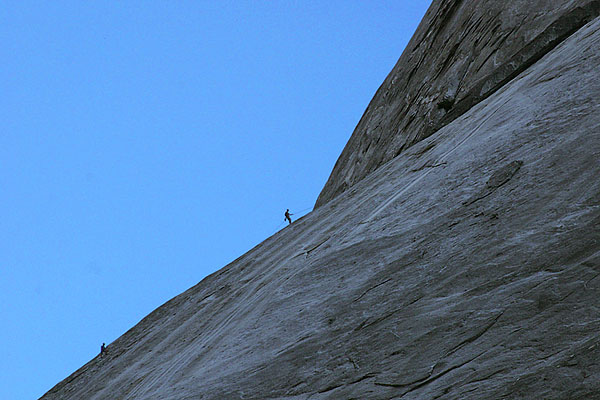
(102, 350)
(287, 216)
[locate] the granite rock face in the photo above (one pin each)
(461, 53)
(467, 267)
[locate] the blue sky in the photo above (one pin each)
(145, 145)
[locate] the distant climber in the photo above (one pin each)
(287, 216)
(102, 350)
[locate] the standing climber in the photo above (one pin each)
(102, 350)
(287, 216)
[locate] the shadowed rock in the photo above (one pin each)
(498, 178)
(461, 53)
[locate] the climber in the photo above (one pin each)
(287, 216)
(102, 350)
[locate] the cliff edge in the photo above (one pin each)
(461, 53)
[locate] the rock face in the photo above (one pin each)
(467, 267)
(461, 53)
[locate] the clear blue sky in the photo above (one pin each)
(145, 145)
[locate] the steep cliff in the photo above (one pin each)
(466, 267)
(461, 53)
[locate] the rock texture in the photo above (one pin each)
(462, 52)
(467, 267)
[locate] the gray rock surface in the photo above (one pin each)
(467, 267)
(461, 53)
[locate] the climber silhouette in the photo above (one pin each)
(102, 350)
(287, 216)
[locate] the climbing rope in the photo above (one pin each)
(297, 216)
(277, 228)
(306, 209)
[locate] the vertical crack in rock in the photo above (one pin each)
(474, 337)
(374, 287)
(419, 384)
